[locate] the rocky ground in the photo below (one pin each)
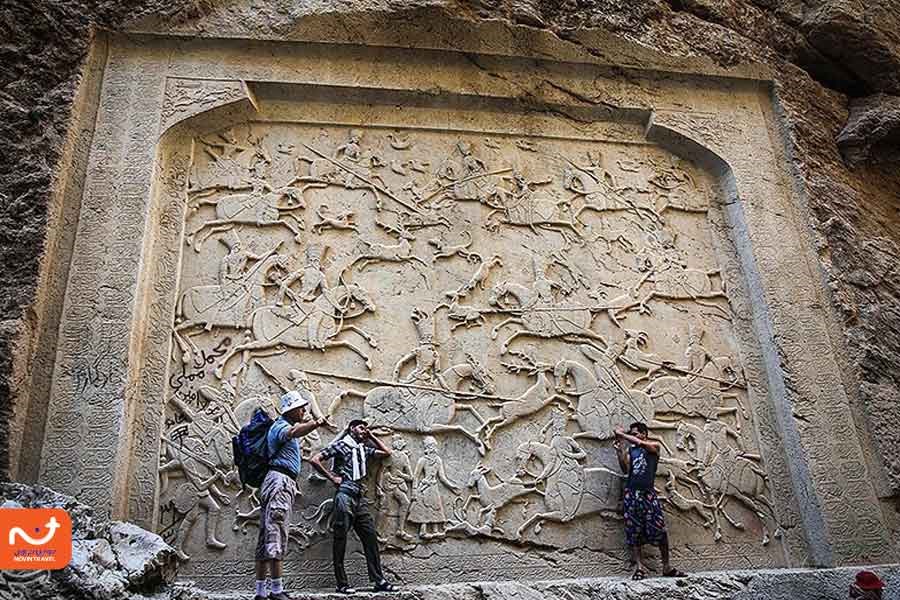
(109, 559)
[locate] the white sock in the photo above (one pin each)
(261, 588)
(277, 586)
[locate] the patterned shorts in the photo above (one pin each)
(276, 497)
(644, 523)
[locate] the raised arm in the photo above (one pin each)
(381, 449)
(622, 455)
(300, 429)
(650, 445)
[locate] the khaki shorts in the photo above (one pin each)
(276, 498)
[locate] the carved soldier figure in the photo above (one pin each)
(312, 278)
(474, 189)
(427, 367)
(696, 354)
(198, 494)
(215, 423)
(351, 150)
(427, 507)
(394, 482)
(233, 266)
(543, 286)
(229, 168)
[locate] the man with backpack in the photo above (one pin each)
(351, 451)
(276, 494)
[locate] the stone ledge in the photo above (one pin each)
(774, 584)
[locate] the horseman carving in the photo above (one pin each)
(231, 302)
(305, 325)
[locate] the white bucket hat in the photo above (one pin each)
(295, 399)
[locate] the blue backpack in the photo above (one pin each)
(251, 449)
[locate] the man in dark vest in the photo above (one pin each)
(351, 451)
(644, 523)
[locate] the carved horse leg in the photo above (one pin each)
(340, 398)
(472, 410)
(440, 427)
(346, 344)
(529, 409)
(424, 273)
(216, 226)
(365, 335)
(295, 227)
(757, 510)
(538, 518)
(240, 348)
(185, 342)
(496, 330)
(245, 364)
(504, 347)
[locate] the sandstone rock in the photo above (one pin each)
(873, 130)
(861, 36)
(109, 560)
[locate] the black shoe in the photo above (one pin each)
(280, 596)
(384, 586)
(258, 597)
(346, 590)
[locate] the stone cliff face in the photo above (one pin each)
(837, 66)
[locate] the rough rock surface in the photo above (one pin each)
(110, 560)
(872, 132)
(826, 53)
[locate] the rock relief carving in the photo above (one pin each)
(260, 206)
(380, 269)
(427, 504)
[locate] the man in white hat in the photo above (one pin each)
(276, 495)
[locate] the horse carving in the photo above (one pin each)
(260, 207)
(571, 490)
(538, 319)
(425, 411)
(725, 473)
(306, 325)
(228, 305)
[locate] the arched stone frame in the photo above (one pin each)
(714, 132)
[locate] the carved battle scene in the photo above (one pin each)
(495, 304)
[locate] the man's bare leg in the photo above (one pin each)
(636, 559)
(664, 554)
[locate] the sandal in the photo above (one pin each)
(384, 586)
(639, 574)
(346, 590)
(673, 572)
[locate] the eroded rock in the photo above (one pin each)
(110, 561)
(872, 132)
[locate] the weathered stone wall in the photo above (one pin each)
(852, 213)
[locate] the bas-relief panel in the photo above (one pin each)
(496, 305)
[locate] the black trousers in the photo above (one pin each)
(351, 509)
